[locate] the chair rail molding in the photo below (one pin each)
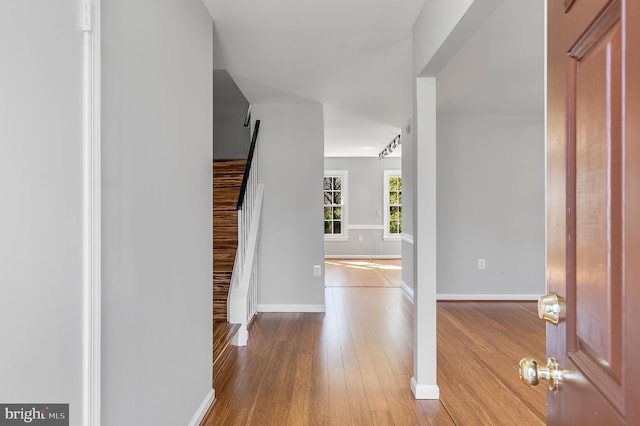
(407, 238)
(365, 227)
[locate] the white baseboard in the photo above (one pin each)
(424, 391)
(486, 297)
(363, 256)
(291, 308)
(203, 408)
(407, 290)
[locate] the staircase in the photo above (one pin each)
(227, 181)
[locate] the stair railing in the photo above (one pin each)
(243, 291)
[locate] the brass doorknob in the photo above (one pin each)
(531, 373)
(551, 308)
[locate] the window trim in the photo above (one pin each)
(388, 236)
(344, 176)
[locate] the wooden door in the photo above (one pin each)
(593, 210)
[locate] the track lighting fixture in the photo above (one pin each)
(390, 147)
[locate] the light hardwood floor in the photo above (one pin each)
(363, 272)
(352, 365)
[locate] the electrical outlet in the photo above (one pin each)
(317, 271)
(482, 264)
(360, 238)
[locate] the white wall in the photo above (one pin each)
(408, 206)
(365, 199)
(291, 166)
(230, 138)
(41, 215)
(490, 204)
(157, 150)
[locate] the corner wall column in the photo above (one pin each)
(423, 382)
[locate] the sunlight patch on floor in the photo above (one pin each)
(367, 265)
(363, 272)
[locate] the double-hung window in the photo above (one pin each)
(335, 204)
(392, 204)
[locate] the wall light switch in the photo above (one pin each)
(379, 212)
(360, 238)
(317, 271)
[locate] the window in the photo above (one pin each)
(392, 204)
(335, 204)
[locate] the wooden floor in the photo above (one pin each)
(363, 272)
(352, 365)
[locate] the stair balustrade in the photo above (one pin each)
(243, 291)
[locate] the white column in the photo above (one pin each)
(423, 382)
(91, 196)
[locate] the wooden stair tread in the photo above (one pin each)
(225, 244)
(223, 254)
(228, 181)
(223, 351)
(228, 217)
(225, 354)
(223, 333)
(229, 161)
(220, 278)
(225, 196)
(226, 230)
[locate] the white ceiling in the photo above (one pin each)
(354, 57)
